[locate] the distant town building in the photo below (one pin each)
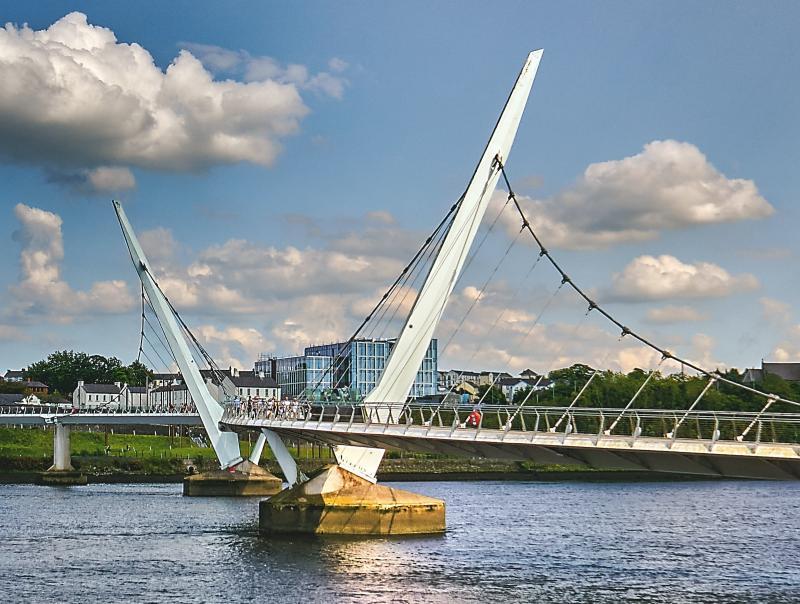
(134, 397)
(19, 399)
(353, 366)
(491, 377)
(449, 379)
(97, 395)
(511, 385)
(255, 384)
(170, 396)
(165, 379)
(168, 390)
(34, 387)
(12, 375)
(788, 371)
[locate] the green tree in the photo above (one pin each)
(62, 370)
(491, 395)
(12, 387)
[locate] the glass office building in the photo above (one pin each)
(348, 370)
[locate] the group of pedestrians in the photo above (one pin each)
(271, 408)
(159, 408)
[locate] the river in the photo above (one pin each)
(716, 541)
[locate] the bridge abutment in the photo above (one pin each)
(337, 502)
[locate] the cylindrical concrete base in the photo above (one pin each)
(337, 502)
(62, 462)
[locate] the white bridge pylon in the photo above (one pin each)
(401, 367)
(225, 444)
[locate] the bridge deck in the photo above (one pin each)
(711, 456)
(35, 417)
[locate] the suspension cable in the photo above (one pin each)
(625, 330)
(141, 331)
(481, 291)
(497, 320)
(445, 224)
(585, 386)
(561, 345)
(635, 396)
(433, 317)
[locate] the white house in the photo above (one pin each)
(14, 375)
(134, 397)
(244, 384)
(88, 396)
(256, 385)
(511, 385)
(170, 397)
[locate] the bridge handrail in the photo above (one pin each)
(340, 408)
(66, 410)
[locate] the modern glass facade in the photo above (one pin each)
(359, 365)
(301, 373)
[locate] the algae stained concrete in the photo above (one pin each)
(337, 502)
(248, 480)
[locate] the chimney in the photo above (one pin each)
(80, 383)
(118, 385)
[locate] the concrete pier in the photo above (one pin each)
(61, 473)
(337, 502)
(245, 480)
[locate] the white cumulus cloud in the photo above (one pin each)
(234, 346)
(668, 185)
(255, 68)
(775, 311)
(74, 97)
(665, 277)
(41, 291)
(107, 178)
(675, 314)
(298, 296)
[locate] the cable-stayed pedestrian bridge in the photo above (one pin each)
(757, 439)
(713, 443)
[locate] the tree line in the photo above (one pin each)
(62, 370)
(664, 391)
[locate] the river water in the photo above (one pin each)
(721, 541)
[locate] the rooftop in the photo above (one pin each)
(102, 388)
(11, 399)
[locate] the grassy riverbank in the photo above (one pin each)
(113, 457)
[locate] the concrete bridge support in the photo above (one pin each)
(246, 479)
(335, 501)
(61, 473)
(62, 460)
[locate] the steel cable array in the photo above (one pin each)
(665, 354)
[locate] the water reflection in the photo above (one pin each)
(644, 542)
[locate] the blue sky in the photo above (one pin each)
(374, 137)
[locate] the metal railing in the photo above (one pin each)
(600, 423)
(66, 409)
